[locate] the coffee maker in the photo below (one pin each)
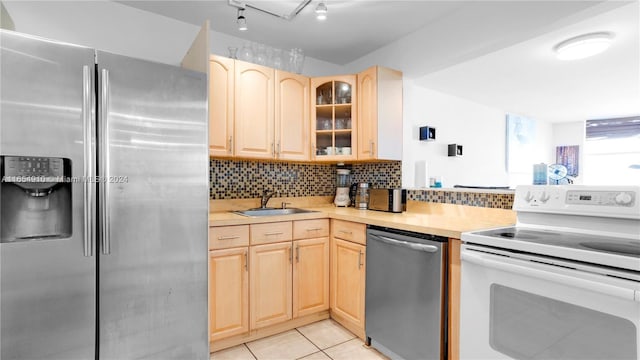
(359, 193)
(343, 181)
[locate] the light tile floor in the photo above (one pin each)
(318, 341)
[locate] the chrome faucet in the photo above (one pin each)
(266, 195)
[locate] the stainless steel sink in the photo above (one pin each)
(272, 212)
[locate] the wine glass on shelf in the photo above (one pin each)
(276, 59)
(233, 52)
(261, 55)
(246, 53)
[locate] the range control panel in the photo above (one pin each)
(608, 201)
(602, 198)
(33, 166)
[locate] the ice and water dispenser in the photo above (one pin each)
(35, 198)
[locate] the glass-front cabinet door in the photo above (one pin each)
(333, 118)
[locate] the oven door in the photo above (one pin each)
(524, 309)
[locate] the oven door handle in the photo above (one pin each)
(594, 286)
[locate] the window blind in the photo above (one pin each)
(613, 128)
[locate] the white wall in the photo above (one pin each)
(567, 134)
(121, 29)
(479, 129)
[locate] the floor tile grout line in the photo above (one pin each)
(340, 343)
(327, 355)
(251, 352)
(309, 340)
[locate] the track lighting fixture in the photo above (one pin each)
(321, 11)
(242, 21)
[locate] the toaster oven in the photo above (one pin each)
(390, 200)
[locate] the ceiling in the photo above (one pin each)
(497, 53)
(526, 78)
(352, 28)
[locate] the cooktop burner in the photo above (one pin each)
(587, 242)
(630, 248)
(514, 234)
(617, 252)
(599, 225)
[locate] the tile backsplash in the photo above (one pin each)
(239, 179)
(481, 199)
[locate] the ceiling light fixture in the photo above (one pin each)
(583, 46)
(242, 21)
(321, 11)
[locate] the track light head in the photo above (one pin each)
(321, 11)
(242, 21)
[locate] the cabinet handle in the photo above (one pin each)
(290, 255)
(273, 149)
(279, 149)
(232, 237)
(314, 229)
(230, 144)
(246, 260)
(360, 259)
(371, 147)
(273, 233)
(346, 232)
(298, 253)
(313, 150)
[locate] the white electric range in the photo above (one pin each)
(563, 283)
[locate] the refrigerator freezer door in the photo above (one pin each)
(154, 210)
(47, 285)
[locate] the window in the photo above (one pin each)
(612, 151)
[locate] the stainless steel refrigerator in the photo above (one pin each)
(103, 205)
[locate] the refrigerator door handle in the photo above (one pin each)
(89, 123)
(104, 162)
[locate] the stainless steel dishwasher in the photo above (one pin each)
(406, 294)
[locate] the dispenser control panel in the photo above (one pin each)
(33, 166)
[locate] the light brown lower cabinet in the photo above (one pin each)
(228, 293)
(270, 282)
(348, 270)
(310, 276)
(262, 282)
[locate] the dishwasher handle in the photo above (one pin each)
(407, 244)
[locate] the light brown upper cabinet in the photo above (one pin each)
(254, 117)
(333, 118)
(221, 83)
(380, 114)
(257, 112)
(292, 116)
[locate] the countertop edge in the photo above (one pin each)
(409, 221)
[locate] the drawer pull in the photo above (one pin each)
(346, 232)
(314, 229)
(232, 237)
(273, 233)
(359, 259)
